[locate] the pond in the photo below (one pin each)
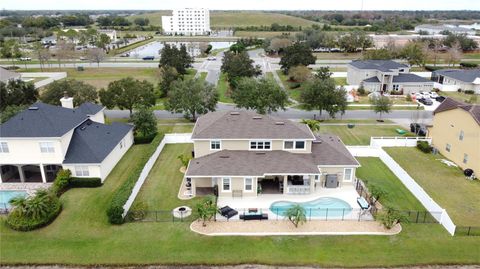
(153, 48)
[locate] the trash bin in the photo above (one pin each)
(80, 68)
(350, 125)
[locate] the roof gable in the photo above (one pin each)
(449, 104)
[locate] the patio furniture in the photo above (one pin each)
(228, 212)
(252, 210)
(254, 216)
(363, 203)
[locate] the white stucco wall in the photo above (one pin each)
(27, 151)
(99, 117)
(114, 157)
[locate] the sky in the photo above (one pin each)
(243, 4)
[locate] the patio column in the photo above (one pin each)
(1, 180)
(42, 171)
(312, 183)
(285, 184)
(20, 172)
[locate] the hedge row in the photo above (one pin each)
(120, 197)
(144, 139)
(468, 65)
(85, 182)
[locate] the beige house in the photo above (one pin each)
(456, 133)
(247, 154)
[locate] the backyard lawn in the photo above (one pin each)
(360, 134)
(82, 235)
(446, 185)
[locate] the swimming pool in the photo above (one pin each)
(6, 196)
(325, 207)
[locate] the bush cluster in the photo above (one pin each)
(120, 197)
(424, 146)
(85, 182)
(469, 91)
(138, 139)
(432, 68)
(468, 65)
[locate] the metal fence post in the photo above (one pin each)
(310, 214)
(418, 213)
(326, 215)
(469, 228)
(156, 216)
(343, 213)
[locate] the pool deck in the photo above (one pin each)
(30, 188)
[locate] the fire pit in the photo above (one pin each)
(182, 212)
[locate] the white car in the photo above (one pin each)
(211, 58)
(433, 95)
(25, 59)
(418, 95)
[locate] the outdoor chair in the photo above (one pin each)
(228, 212)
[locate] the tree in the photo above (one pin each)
(322, 94)
(128, 93)
(263, 95)
(10, 49)
(184, 159)
(10, 111)
(64, 51)
(295, 55)
(296, 214)
(43, 54)
(192, 97)
(414, 53)
(454, 54)
(80, 91)
(17, 92)
(238, 65)
(96, 55)
(299, 73)
(323, 73)
(102, 41)
(206, 209)
(278, 44)
(466, 43)
(141, 21)
(144, 121)
(176, 57)
(352, 41)
(381, 104)
(167, 75)
(314, 125)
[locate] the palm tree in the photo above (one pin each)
(39, 205)
(207, 209)
(314, 125)
(296, 214)
(19, 205)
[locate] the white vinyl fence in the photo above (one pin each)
(167, 139)
(444, 219)
(394, 141)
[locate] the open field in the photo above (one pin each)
(337, 55)
(360, 134)
(446, 185)
(154, 17)
(82, 236)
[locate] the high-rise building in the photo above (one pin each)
(187, 21)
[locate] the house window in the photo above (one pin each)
(448, 147)
(460, 137)
(347, 174)
(260, 145)
(47, 147)
(4, 147)
(465, 158)
(215, 144)
(395, 87)
(298, 144)
(82, 171)
(248, 184)
(226, 182)
(317, 178)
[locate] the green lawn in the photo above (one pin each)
(81, 235)
(130, 47)
(375, 173)
(446, 185)
(460, 96)
(341, 81)
(203, 75)
(360, 134)
(293, 93)
(224, 89)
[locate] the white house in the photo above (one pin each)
(40, 140)
(432, 29)
(455, 79)
(386, 76)
(187, 21)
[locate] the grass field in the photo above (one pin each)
(446, 185)
(460, 96)
(81, 235)
(294, 93)
(360, 134)
(337, 56)
(225, 19)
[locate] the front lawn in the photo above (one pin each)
(360, 134)
(446, 185)
(292, 88)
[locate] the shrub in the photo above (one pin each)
(361, 91)
(120, 197)
(85, 182)
(469, 91)
(138, 211)
(432, 68)
(424, 146)
(390, 217)
(144, 139)
(34, 212)
(62, 181)
(473, 99)
(468, 65)
(408, 98)
(184, 159)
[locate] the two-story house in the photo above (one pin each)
(386, 76)
(456, 133)
(40, 140)
(247, 154)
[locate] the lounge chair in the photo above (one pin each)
(228, 212)
(254, 216)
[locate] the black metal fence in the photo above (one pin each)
(467, 231)
(159, 216)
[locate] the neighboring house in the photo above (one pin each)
(39, 141)
(456, 133)
(110, 33)
(386, 76)
(187, 21)
(7, 75)
(248, 154)
(455, 79)
(432, 29)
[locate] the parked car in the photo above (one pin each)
(418, 96)
(83, 58)
(433, 95)
(125, 54)
(440, 98)
(211, 58)
(147, 58)
(426, 101)
(24, 59)
(418, 129)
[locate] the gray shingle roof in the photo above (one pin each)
(372, 80)
(248, 125)
(330, 151)
(6, 75)
(449, 104)
(92, 142)
(381, 65)
(89, 108)
(465, 75)
(44, 121)
(412, 78)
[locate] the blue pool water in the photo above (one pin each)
(322, 207)
(6, 196)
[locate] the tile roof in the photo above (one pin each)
(248, 125)
(412, 78)
(92, 142)
(381, 65)
(449, 104)
(42, 120)
(465, 75)
(326, 151)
